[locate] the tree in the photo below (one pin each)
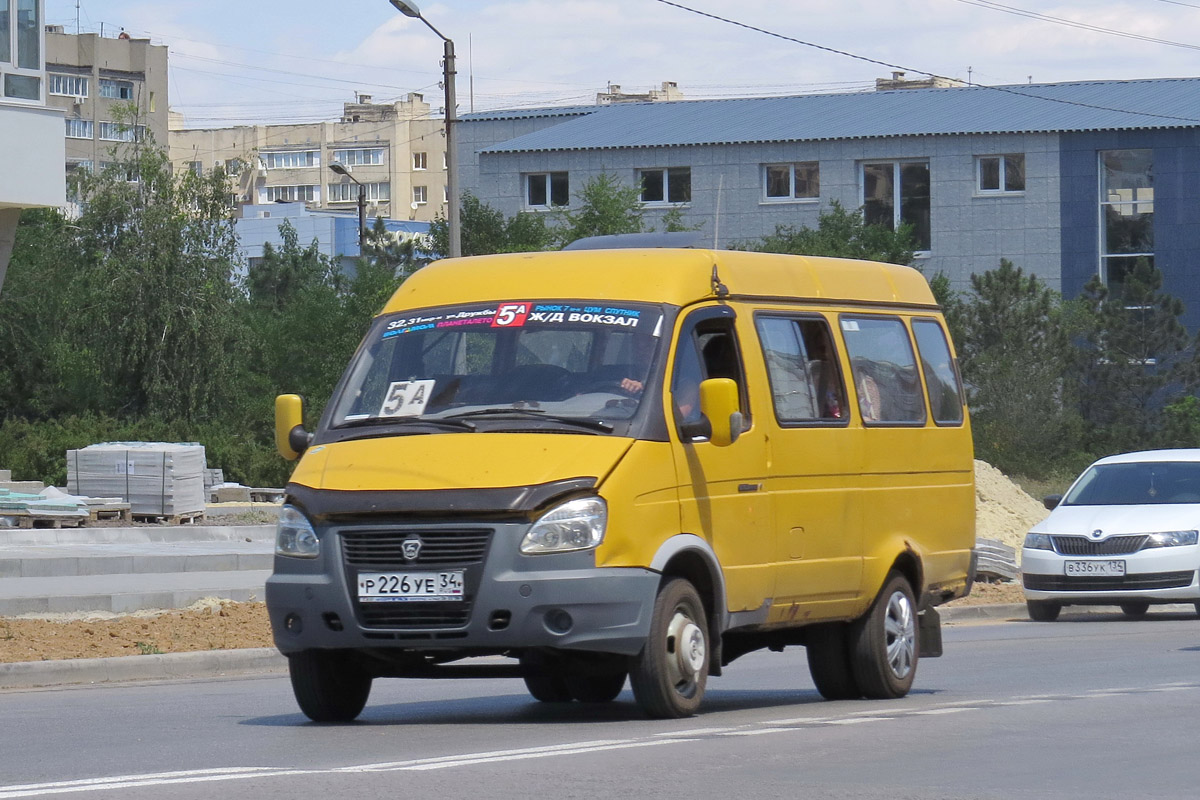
(1014, 349)
(485, 231)
(842, 234)
(286, 271)
(1138, 359)
(606, 207)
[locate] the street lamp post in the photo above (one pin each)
(338, 169)
(409, 9)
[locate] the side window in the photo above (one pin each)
(806, 384)
(884, 370)
(708, 350)
(941, 379)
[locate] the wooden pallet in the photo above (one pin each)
(27, 520)
(170, 519)
(111, 511)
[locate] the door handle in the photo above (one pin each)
(749, 487)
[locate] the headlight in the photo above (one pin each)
(1038, 541)
(575, 525)
(294, 535)
(1170, 539)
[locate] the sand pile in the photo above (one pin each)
(1003, 510)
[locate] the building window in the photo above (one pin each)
(79, 129)
(1126, 214)
(233, 167)
(1000, 174)
(896, 193)
(359, 155)
(80, 166)
(291, 159)
(799, 181)
(348, 192)
(21, 49)
(196, 167)
(672, 185)
(420, 195)
(5, 33)
(420, 160)
(68, 85)
(120, 132)
(545, 189)
(291, 194)
(116, 90)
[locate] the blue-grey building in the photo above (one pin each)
(1066, 180)
(336, 233)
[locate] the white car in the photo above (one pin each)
(1124, 534)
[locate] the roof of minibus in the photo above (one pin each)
(657, 275)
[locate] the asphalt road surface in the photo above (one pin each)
(1089, 707)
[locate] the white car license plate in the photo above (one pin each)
(1095, 568)
(408, 587)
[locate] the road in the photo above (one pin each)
(1089, 707)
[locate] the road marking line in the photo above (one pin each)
(856, 720)
(462, 762)
(697, 732)
(936, 711)
(759, 731)
(1030, 702)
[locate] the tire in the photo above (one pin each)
(1043, 610)
(596, 688)
(669, 676)
(1197, 605)
(829, 662)
(329, 686)
(544, 680)
(884, 646)
(1135, 608)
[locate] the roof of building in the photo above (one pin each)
(1049, 107)
(529, 113)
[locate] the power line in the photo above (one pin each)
(901, 67)
(1084, 26)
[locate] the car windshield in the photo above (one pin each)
(1132, 484)
(507, 364)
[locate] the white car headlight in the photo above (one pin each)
(1038, 541)
(575, 525)
(294, 535)
(1171, 539)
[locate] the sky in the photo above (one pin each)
(270, 61)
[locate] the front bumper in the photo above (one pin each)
(515, 602)
(1159, 575)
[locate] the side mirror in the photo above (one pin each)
(719, 405)
(290, 437)
(1051, 501)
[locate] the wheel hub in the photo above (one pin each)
(900, 630)
(686, 651)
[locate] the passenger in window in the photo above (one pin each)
(823, 371)
(870, 402)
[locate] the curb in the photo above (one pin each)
(168, 666)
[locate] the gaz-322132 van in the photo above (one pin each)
(611, 465)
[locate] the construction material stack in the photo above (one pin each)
(157, 479)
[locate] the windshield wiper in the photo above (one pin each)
(583, 422)
(457, 424)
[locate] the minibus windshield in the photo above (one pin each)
(570, 362)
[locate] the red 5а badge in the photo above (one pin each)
(511, 315)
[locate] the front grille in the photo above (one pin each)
(1112, 546)
(1121, 583)
(382, 550)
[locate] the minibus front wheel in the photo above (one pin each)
(669, 675)
(330, 686)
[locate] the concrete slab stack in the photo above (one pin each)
(155, 478)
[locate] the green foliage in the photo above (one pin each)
(486, 231)
(1181, 423)
(842, 234)
(1139, 357)
(606, 207)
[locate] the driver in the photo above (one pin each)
(643, 353)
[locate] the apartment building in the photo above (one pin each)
(396, 151)
(32, 173)
(113, 90)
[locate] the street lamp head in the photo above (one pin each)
(407, 7)
(339, 169)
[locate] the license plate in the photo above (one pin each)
(409, 587)
(1095, 568)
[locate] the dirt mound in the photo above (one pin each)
(1003, 510)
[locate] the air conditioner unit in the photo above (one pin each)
(78, 99)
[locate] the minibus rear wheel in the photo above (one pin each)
(669, 675)
(330, 686)
(829, 661)
(884, 645)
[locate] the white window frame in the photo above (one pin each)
(9, 68)
(358, 156)
(791, 195)
(420, 195)
(376, 192)
(115, 85)
(420, 161)
(666, 179)
(311, 193)
(271, 159)
(120, 132)
(546, 179)
(81, 125)
(897, 197)
(75, 85)
(1104, 203)
(1001, 171)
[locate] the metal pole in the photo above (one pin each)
(452, 215)
(362, 220)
